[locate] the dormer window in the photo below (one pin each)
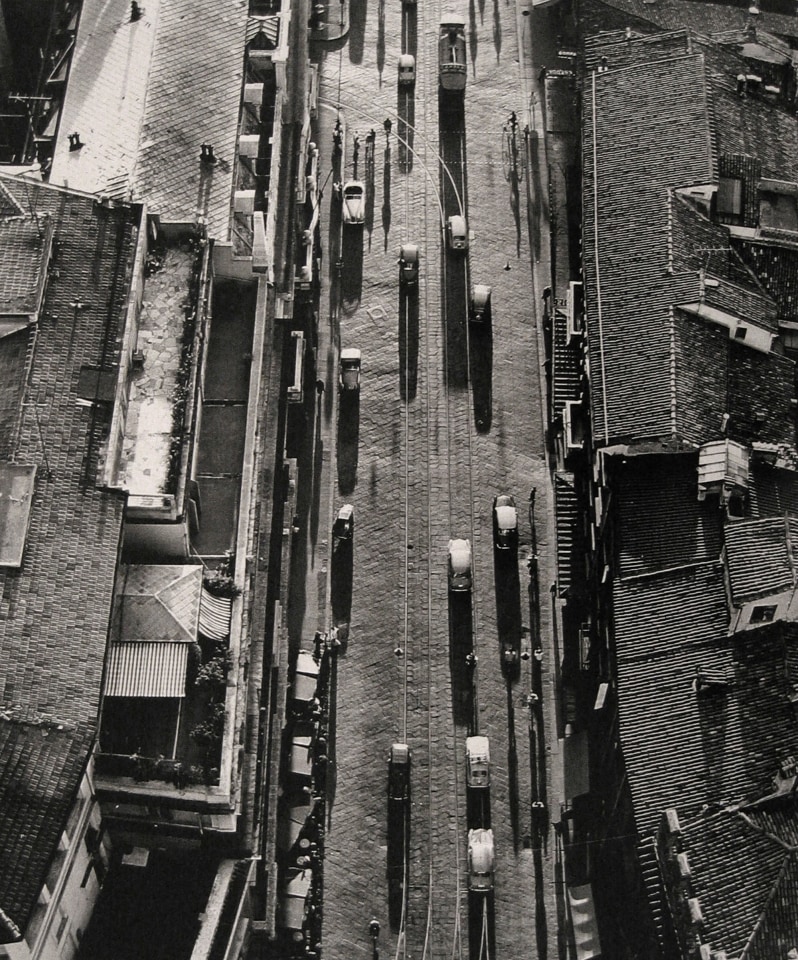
(763, 613)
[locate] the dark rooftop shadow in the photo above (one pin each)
(348, 434)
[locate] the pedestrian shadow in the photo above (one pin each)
(381, 39)
(515, 200)
(497, 29)
(368, 222)
(386, 193)
(538, 196)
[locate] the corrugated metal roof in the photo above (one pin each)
(147, 670)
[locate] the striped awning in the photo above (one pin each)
(145, 669)
(214, 615)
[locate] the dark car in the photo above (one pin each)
(480, 304)
(399, 772)
(408, 264)
(344, 526)
(505, 523)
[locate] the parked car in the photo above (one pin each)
(480, 304)
(354, 198)
(459, 565)
(306, 680)
(399, 772)
(344, 525)
(477, 763)
(457, 233)
(406, 66)
(480, 860)
(349, 370)
(408, 264)
(505, 523)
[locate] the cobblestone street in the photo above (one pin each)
(448, 417)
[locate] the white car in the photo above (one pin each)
(478, 763)
(349, 370)
(457, 233)
(406, 66)
(459, 565)
(354, 199)
(505, 523)
(480, 860)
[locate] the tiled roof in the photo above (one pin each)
(745, 880)
(193, 98)
(24, 248)
(159, 602)
(40, 771)
(709, 18)
(772, 492)
(682, 749)
(55, 610)
(13, 357)
(656, 493)
(652, 133)
(714, 375)
(655, 372)
(105, 97)
(759, 557)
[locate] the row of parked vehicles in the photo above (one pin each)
(481, 849)
(505, 539)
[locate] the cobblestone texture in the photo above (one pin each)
(446, 420)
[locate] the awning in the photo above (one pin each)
(214, 615)
(144, 669)
(583, 920)
(291, 906)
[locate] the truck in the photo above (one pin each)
(452, 53)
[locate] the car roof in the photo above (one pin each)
(506, 516)
(409, 251)
(460, 555)
(350, 353)
(346, 511)
(481, 293)
(478, 745)
(456, 222)
(480, 843)
(400, 753)
(407, 60)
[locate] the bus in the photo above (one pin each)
(452, 53)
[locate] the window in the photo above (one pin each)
(763, 613)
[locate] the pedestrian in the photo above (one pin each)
(471, 661)
(398, 652)
(374, 928)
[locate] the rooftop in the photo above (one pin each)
(141, 131)
(55, 608)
